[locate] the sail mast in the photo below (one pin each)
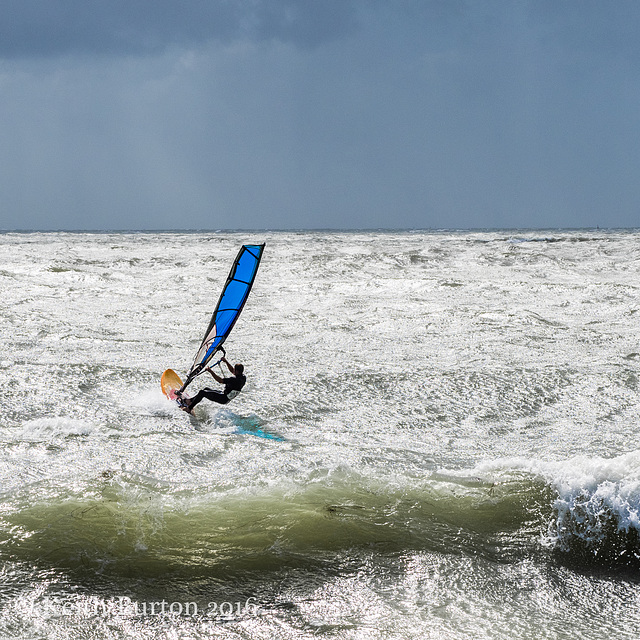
(232, 300)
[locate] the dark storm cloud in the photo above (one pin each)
(318, 113)
(40, 28)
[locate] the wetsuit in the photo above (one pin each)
(232, 387)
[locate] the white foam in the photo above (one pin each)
(595, 495)
(152, 401)
(57, 426)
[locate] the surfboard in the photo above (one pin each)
(170, 383)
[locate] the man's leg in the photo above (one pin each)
(209, 394)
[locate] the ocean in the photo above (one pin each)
(439, 437)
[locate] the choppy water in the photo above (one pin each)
(438, 438)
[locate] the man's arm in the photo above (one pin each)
(215, 375)
(231, 369)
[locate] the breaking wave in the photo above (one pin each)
(583, 510)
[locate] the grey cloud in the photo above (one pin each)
(40, 28)
(419, 113)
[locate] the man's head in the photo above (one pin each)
(238, 369)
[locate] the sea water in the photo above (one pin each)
(439, 437)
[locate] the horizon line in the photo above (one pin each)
(322, 230)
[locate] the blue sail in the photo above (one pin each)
(234, 295)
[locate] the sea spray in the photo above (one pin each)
(595, 506)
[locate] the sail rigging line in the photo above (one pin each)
(230, 304)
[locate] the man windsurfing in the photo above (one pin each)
(232, 387)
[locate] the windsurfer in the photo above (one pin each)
(232, 387)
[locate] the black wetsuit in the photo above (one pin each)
(232, 387)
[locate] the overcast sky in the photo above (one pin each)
(223, 114)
